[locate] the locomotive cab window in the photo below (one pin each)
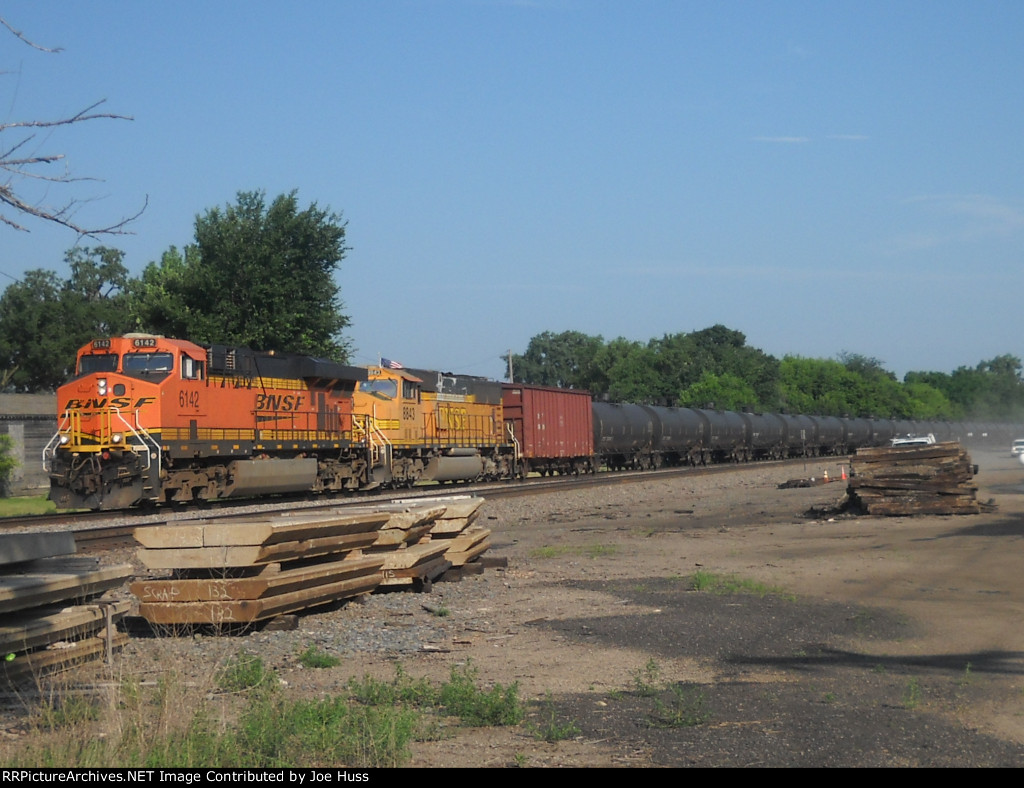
(191, 369)
(383, 388)
(410, 390)
(148, 365)
(97, 362)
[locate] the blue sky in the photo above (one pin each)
(822, 176)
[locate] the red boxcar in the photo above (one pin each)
(552, 429)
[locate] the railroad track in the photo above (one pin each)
(98, 531)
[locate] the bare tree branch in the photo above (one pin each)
(21, 36)
(20, 167)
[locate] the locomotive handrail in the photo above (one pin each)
(145, 439)
(49, 450)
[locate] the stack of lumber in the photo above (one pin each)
(246, 569)
(935, 479)
(242, 570)
(453, 540)
(51, 616)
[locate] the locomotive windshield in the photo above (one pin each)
(97, 362)
(148, 364)
(385, 388)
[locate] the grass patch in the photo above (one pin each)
(595, 550)
(26, 505)
(313, 657)
(912, 694)
(686, 708)
(647, 680)
(244, 718)
(244, 672)
(461, 697)
(550, 728)
(713, 583)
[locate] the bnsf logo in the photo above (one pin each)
(278, 402)
(116, 402)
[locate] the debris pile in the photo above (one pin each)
(907, 480)
(51, 614)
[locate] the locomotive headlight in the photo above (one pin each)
(101, 387)
(65, 440)
(116, 437)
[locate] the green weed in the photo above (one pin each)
(647, 680)
(244, 672)
(550, 728)
(730, 584)
(461, 697)
(686, 708)
(313, 657)
(912, 694)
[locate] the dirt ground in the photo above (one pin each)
(886, 641)
(855, 642)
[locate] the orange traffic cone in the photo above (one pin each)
(843, 468)
(826, 476)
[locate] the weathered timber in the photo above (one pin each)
(909, 480)
(16, 548)
(59, 656)
(467, 545)
(423, 573)
(258, 531)
(413, 555)
(241, 556)
(264, 584)
(51, 580)
(244, 611)
(44, 626)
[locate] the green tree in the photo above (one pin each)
(258, 275)
(7, 464)
(565, 360)
(44, 319)
(724, 392)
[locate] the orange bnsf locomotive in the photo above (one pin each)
(153, 420)
(150, 419)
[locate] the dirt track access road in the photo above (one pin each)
(891, 642)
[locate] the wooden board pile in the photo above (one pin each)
(246, 569)
(935, 479)
(51, 616)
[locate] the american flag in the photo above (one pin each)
(389, 364)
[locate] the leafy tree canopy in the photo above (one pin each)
(257, 275)
(45, 319)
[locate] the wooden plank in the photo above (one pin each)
(242, 556)
(43, 626)
(263, 531)
(56, 580)
(16, 548)
(251, 610)
(462, 557)
(420, 573)
(413, 555)
(395, 537)
(255, 587)
(36, 664)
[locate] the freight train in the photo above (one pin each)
(152, 420)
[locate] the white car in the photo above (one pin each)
(1018, 447)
